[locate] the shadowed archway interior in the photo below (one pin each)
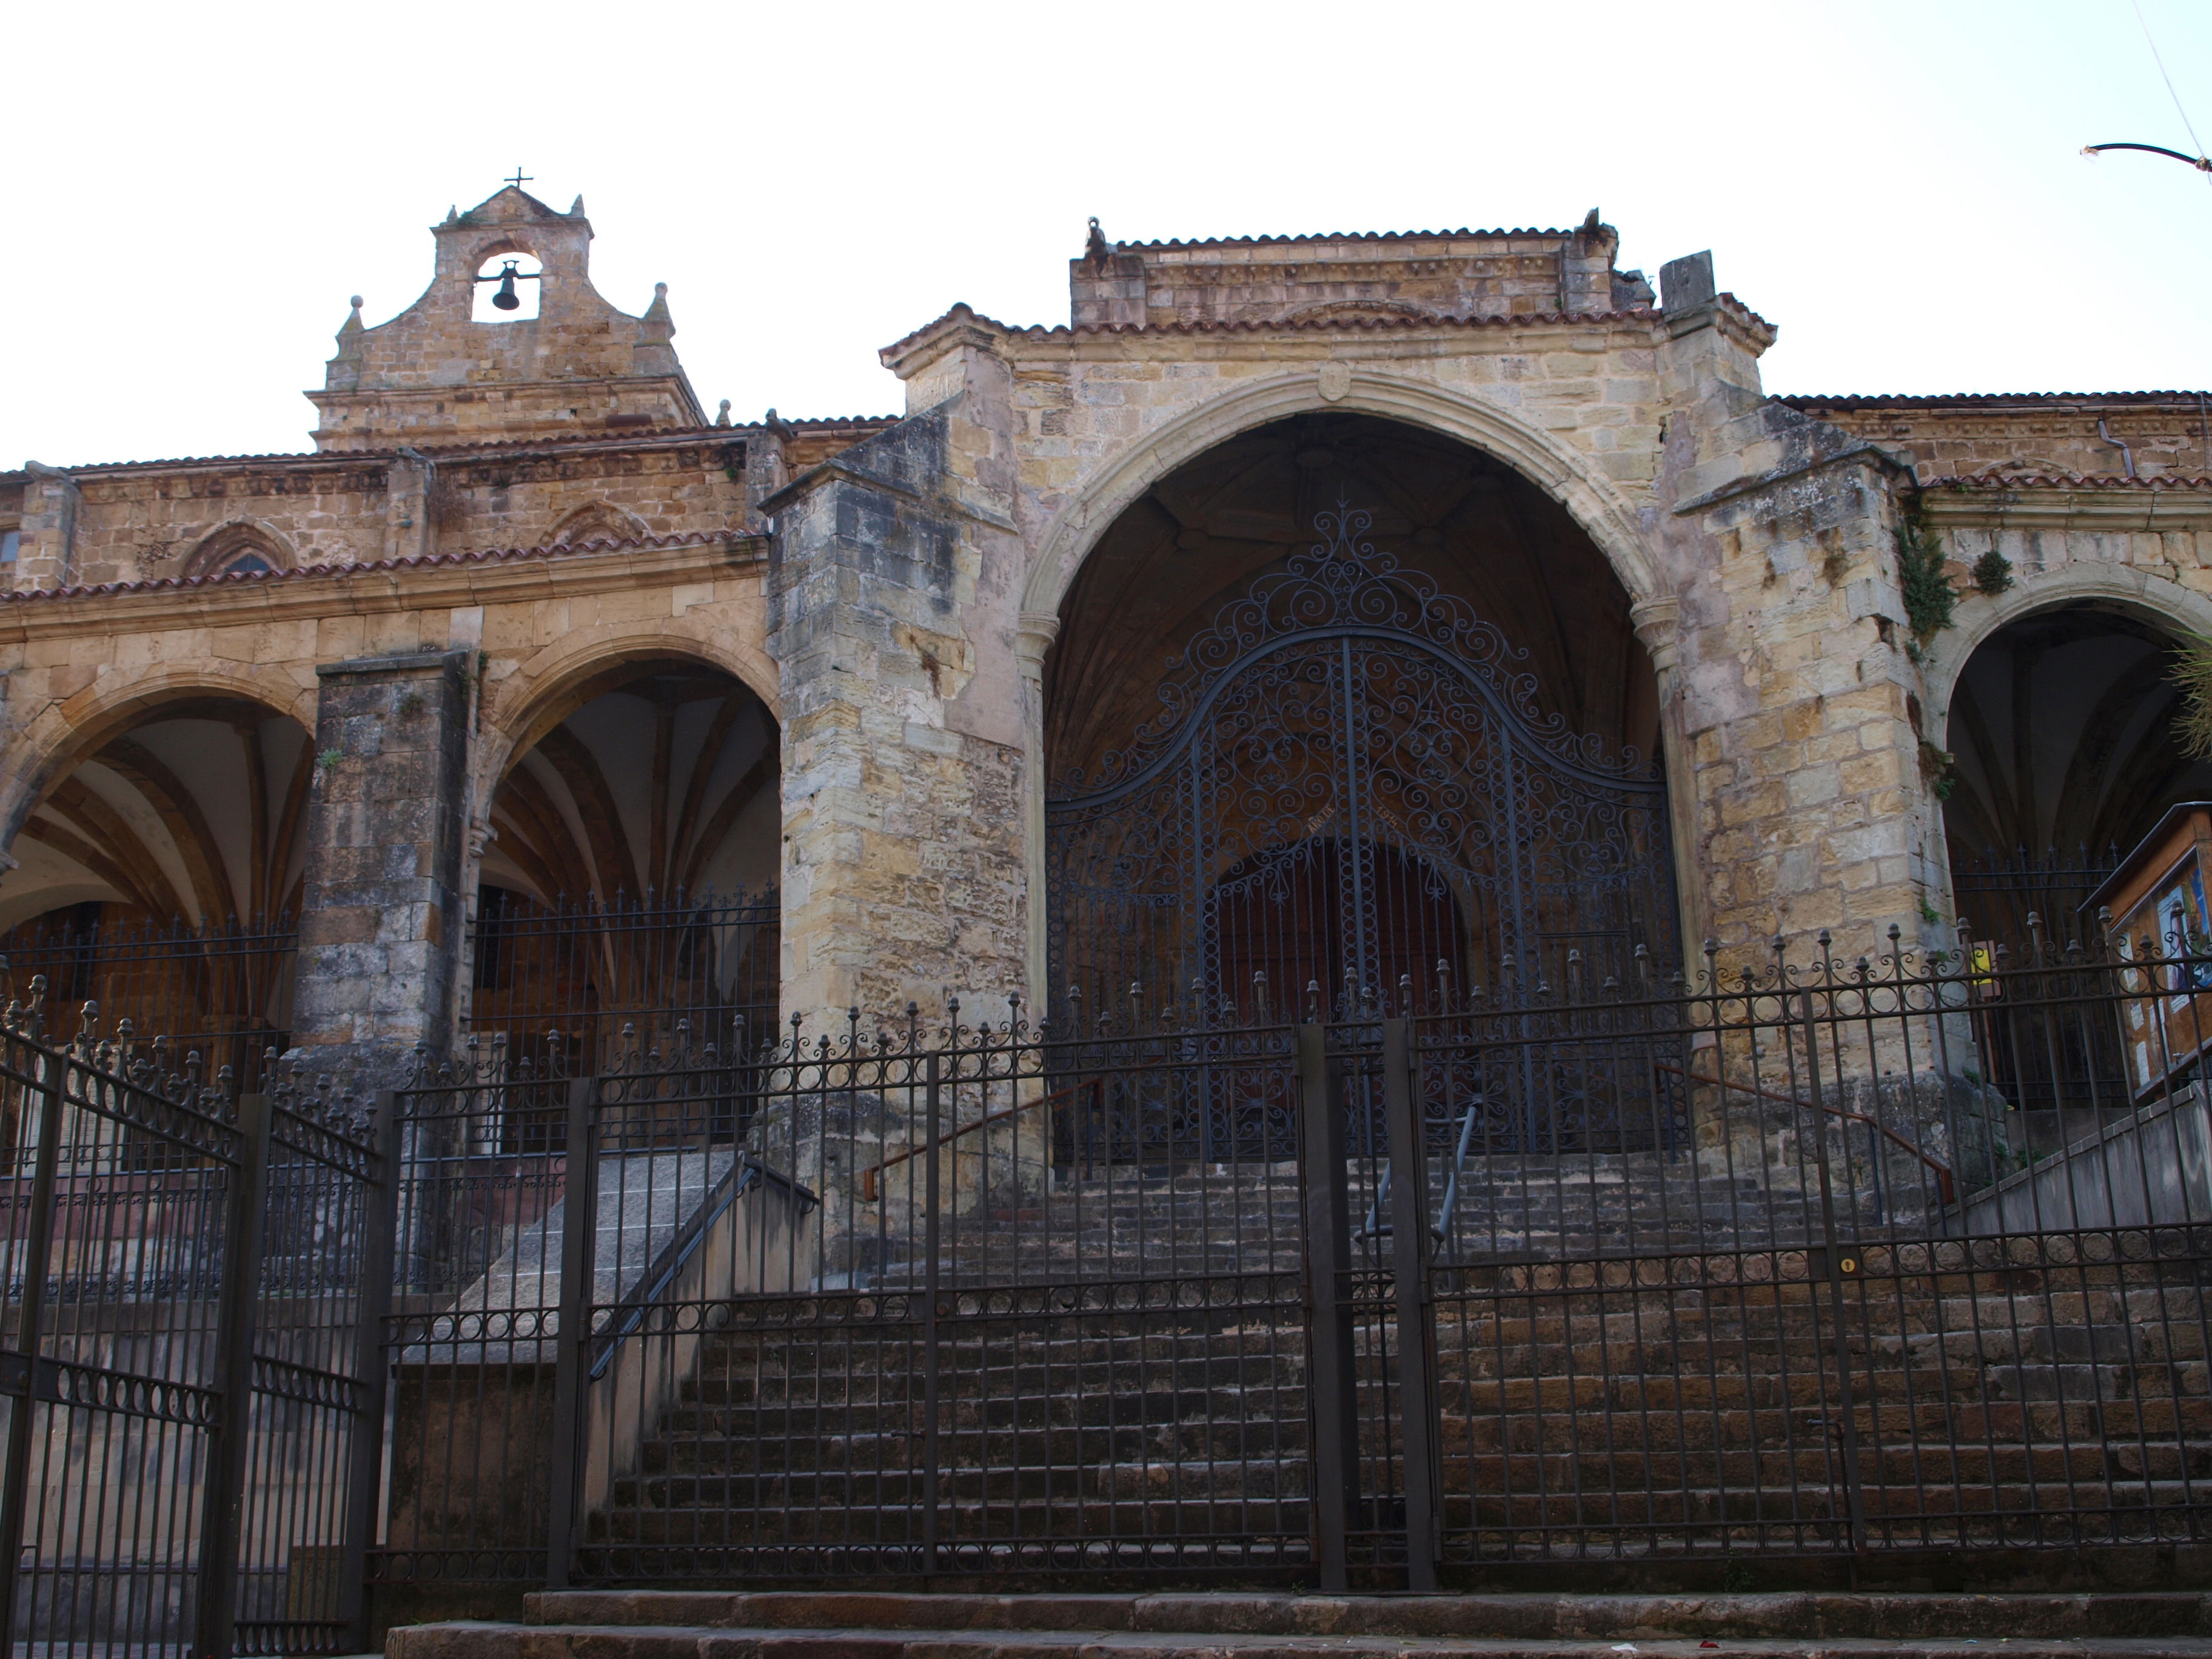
(1346, 705)
(159, 879)
(629, 883)
(2064, 755)
(1480, 531)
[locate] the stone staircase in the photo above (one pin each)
(1121, 1385)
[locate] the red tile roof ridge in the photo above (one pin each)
(371, 566)
(965, 313)
(2067, 481)
(497, 446)
(1370, 324)
(1974, 399)
(1310, 236)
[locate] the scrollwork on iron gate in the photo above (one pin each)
(1351, 790)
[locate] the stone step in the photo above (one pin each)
(1811, 1615)
(676, 1625)
(1028, 1521)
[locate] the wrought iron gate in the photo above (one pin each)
(1352, 791)
(191, 1284)
(936, 1303)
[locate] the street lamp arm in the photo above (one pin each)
(2197, 161)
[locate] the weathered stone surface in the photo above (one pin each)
(380, 933)
(891, 587)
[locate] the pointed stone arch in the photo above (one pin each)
(181, 794)
(598, 521)
(1569, 478)
(238, 546)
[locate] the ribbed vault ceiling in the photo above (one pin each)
(2062, 730)
(195, 814)
(665, 783)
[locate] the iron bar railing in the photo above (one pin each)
(222, 989)
(1773, 1264)
(559, 985)
(188, 1270)
(1483, 1276)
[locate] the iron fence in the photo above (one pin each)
(193, 1278)
(2031, 900)
(559, 985)
(1773, 1264)
(222, 989)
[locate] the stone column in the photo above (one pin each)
(1033, 638)
(1657, 622)
(382, 922)
(410, 481)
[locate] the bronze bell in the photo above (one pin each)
(505, 299)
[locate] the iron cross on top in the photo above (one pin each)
(520, 178)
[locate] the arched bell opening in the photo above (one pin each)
(629, 884)
(1376, 658)
(2061, 755)
(159, 878)
(507, 287)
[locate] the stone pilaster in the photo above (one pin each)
(47, 556)
(892, 622)
(1802, 805)
(1033, 638)
(382, 922)
(408, 532)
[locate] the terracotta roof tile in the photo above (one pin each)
(2065, 480)
(1309, 237)
(1982, 399)
(964, 313)
(424, 562)
(496, 447)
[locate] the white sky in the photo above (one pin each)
(194, 191)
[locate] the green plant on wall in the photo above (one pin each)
(2191, 675)
(1993, 573)
(1939, 766)
(1930, 599)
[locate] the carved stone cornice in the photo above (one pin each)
(376, 589)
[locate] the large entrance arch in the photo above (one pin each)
(1337, 710)
(2063, 755)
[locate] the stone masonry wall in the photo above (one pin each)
(141, 524)
(2165, 435)
(380, 924)
(904, 774)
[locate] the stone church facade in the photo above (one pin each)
(526, 618)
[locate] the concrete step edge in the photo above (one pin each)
(477, 1641)
(1785, 1615)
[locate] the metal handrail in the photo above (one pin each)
(628, 1313)
(871, 1186)
(1943, 1179)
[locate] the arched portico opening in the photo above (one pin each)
(2062, 756)
(629, 878)
(1337, 640)
(158, 876)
